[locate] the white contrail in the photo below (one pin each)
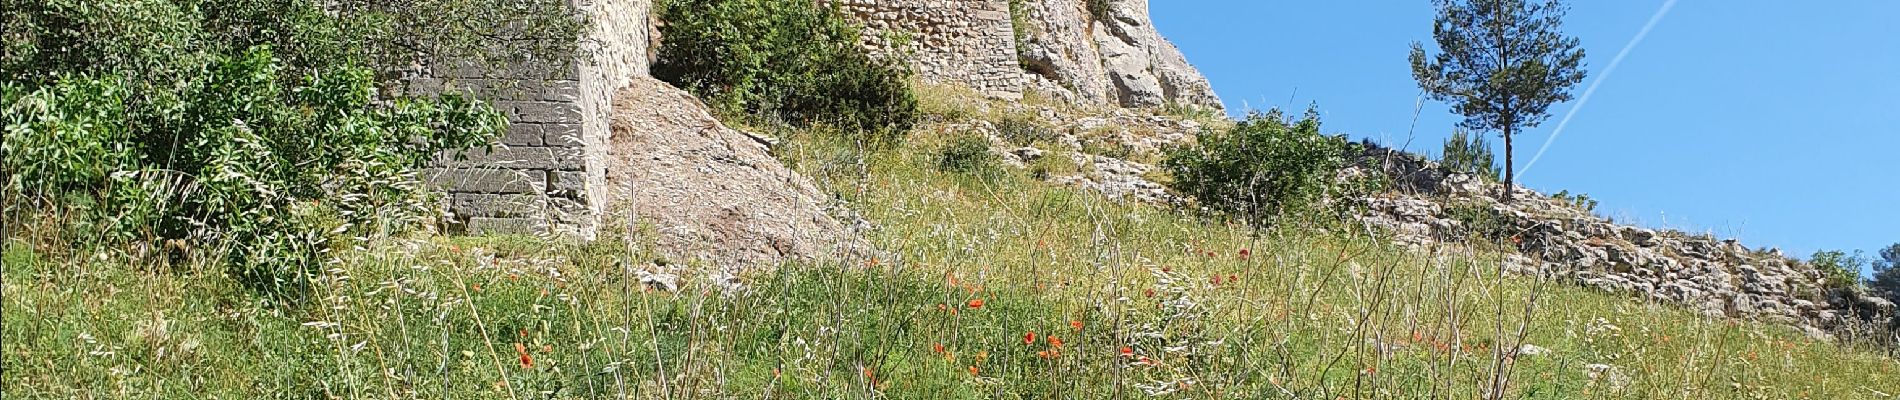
(1593, 85)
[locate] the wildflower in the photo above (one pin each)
(1167, 269)
(1244, 254)
(1042, 354)
(871, 262)
(951, 279)
(1076, 324)
(1029, 337)
(972, 370)
(547, 348)
(1147, 361)
(1210, 254)
(1233, 278)
(1128, 351)
(1517, 240)
(1149, 292)
(1055, 341)
(975, 303)
(937, 347)
(522, 351)
(477, 286)
(1216, 280)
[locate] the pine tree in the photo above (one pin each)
(1501, 64)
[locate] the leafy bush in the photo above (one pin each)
(1483, 222)
(1469, 154)
(248, 132)
(1264, 166)
(1580, 200)
(782, 61)
(1024, 131)
(1841, 270)
(967, 154)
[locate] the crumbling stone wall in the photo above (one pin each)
(965, 42)
(547, 173)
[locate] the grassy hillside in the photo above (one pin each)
(996, 286)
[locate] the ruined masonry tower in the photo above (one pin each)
(547, 175)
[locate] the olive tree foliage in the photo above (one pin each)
(246, 132)
(1267, 166)
(1501, 64)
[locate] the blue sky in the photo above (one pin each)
(1775, 122)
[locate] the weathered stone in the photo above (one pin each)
(486, 180)
(522, 134)
(714, 194)
(498, 205)
(507, 226)
(557, 112)
(517, 158)
(567, 183)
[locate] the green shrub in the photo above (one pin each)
(968, 154)
(1265, 166)
(1469, 154)
(1100, 11)
(1482, 222)
(782, 61)
(1580, 200)
(253, 132)
(1840, 270)
(1024, 131)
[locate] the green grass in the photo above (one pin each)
(1313, 311)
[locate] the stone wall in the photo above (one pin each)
(965, 42)
(1556, 239)
(546, 174)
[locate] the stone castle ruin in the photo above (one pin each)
(548, 174)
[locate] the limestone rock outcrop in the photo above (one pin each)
(1111, 56)
(1119, 60)
(713, 193)
(1555, 238)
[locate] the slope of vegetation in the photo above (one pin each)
(998, 287)
(994, 284)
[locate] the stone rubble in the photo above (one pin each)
(1556, 239)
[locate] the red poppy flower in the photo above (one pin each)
(976, 303)
(1055, 341)
(1244, 254)
(1076, 324)
(1029, 337)
(1128, 351)
(937, 347)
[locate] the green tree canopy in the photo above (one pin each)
(1501, 64)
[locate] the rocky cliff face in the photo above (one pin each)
(1071, 51)
(1556, 239)
(1003, 48)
